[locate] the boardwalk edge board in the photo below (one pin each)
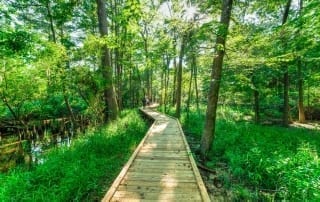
(125, 169)
(202, 187)
(110, 195)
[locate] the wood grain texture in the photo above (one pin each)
(162, 167)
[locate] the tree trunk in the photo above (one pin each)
(64, 90)
(111, 111)
(167, 83)
(174, 101)
(302, 117)
(256, 106)
(162, 83)
(210, 122)
(179, 78)
(286, 76)
(118, 77)
(195, 73)
(286, 97)
(54, 39)
(190, 90)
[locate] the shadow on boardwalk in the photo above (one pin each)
(162, 167)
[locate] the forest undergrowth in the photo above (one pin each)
(260, 162)
(82, 172)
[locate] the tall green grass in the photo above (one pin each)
(82, 172)
(264, 162)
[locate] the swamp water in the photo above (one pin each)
(27, 148)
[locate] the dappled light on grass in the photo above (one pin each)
(264, 162)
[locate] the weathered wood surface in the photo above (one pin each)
(161, 168)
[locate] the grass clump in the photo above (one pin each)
(82, 172)
(263, 162)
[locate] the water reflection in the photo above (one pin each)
(43, 143)
(31, 151)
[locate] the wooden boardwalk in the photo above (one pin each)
(161, 168)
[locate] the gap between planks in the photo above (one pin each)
(134, 181)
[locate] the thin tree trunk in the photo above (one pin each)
(308, 94)
(162, 83)
(286, 76)
(112, 110)
(286, 98)
(118, 78)
(302, 117)
(151, 85)
(54, 39)
(64, 91)
(256, 106)
(174, 101)
(69, 108)
(210, 122)
(195, 74)
(190, 91)
(179, 78)
(167, 83)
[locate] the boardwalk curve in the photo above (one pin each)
(161, 168)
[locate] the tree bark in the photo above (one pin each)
(256, 106)
(167, 82)
(195, 74)
(174, 101)
(286, 76)
(190, 89)
(210, 122)
(53, 32)
(286, 98)
(179, 78)
(112, 110)
(302, 117)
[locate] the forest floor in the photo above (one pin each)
(214, 178)
(211, 178)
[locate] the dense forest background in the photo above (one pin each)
(52, 57)
(87, 61)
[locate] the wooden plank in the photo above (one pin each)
(160, 184)
(155, 167)
(200, 182)
(163, 151)
(165, 141)
(165, 158)
(161, 175)
(194, 196)
(166, 179)
(141, 188)
(122, 199)
(163, 146)
(172, 140)
(161, 168)
(156, 155)
(163, 161)
(123, 172)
